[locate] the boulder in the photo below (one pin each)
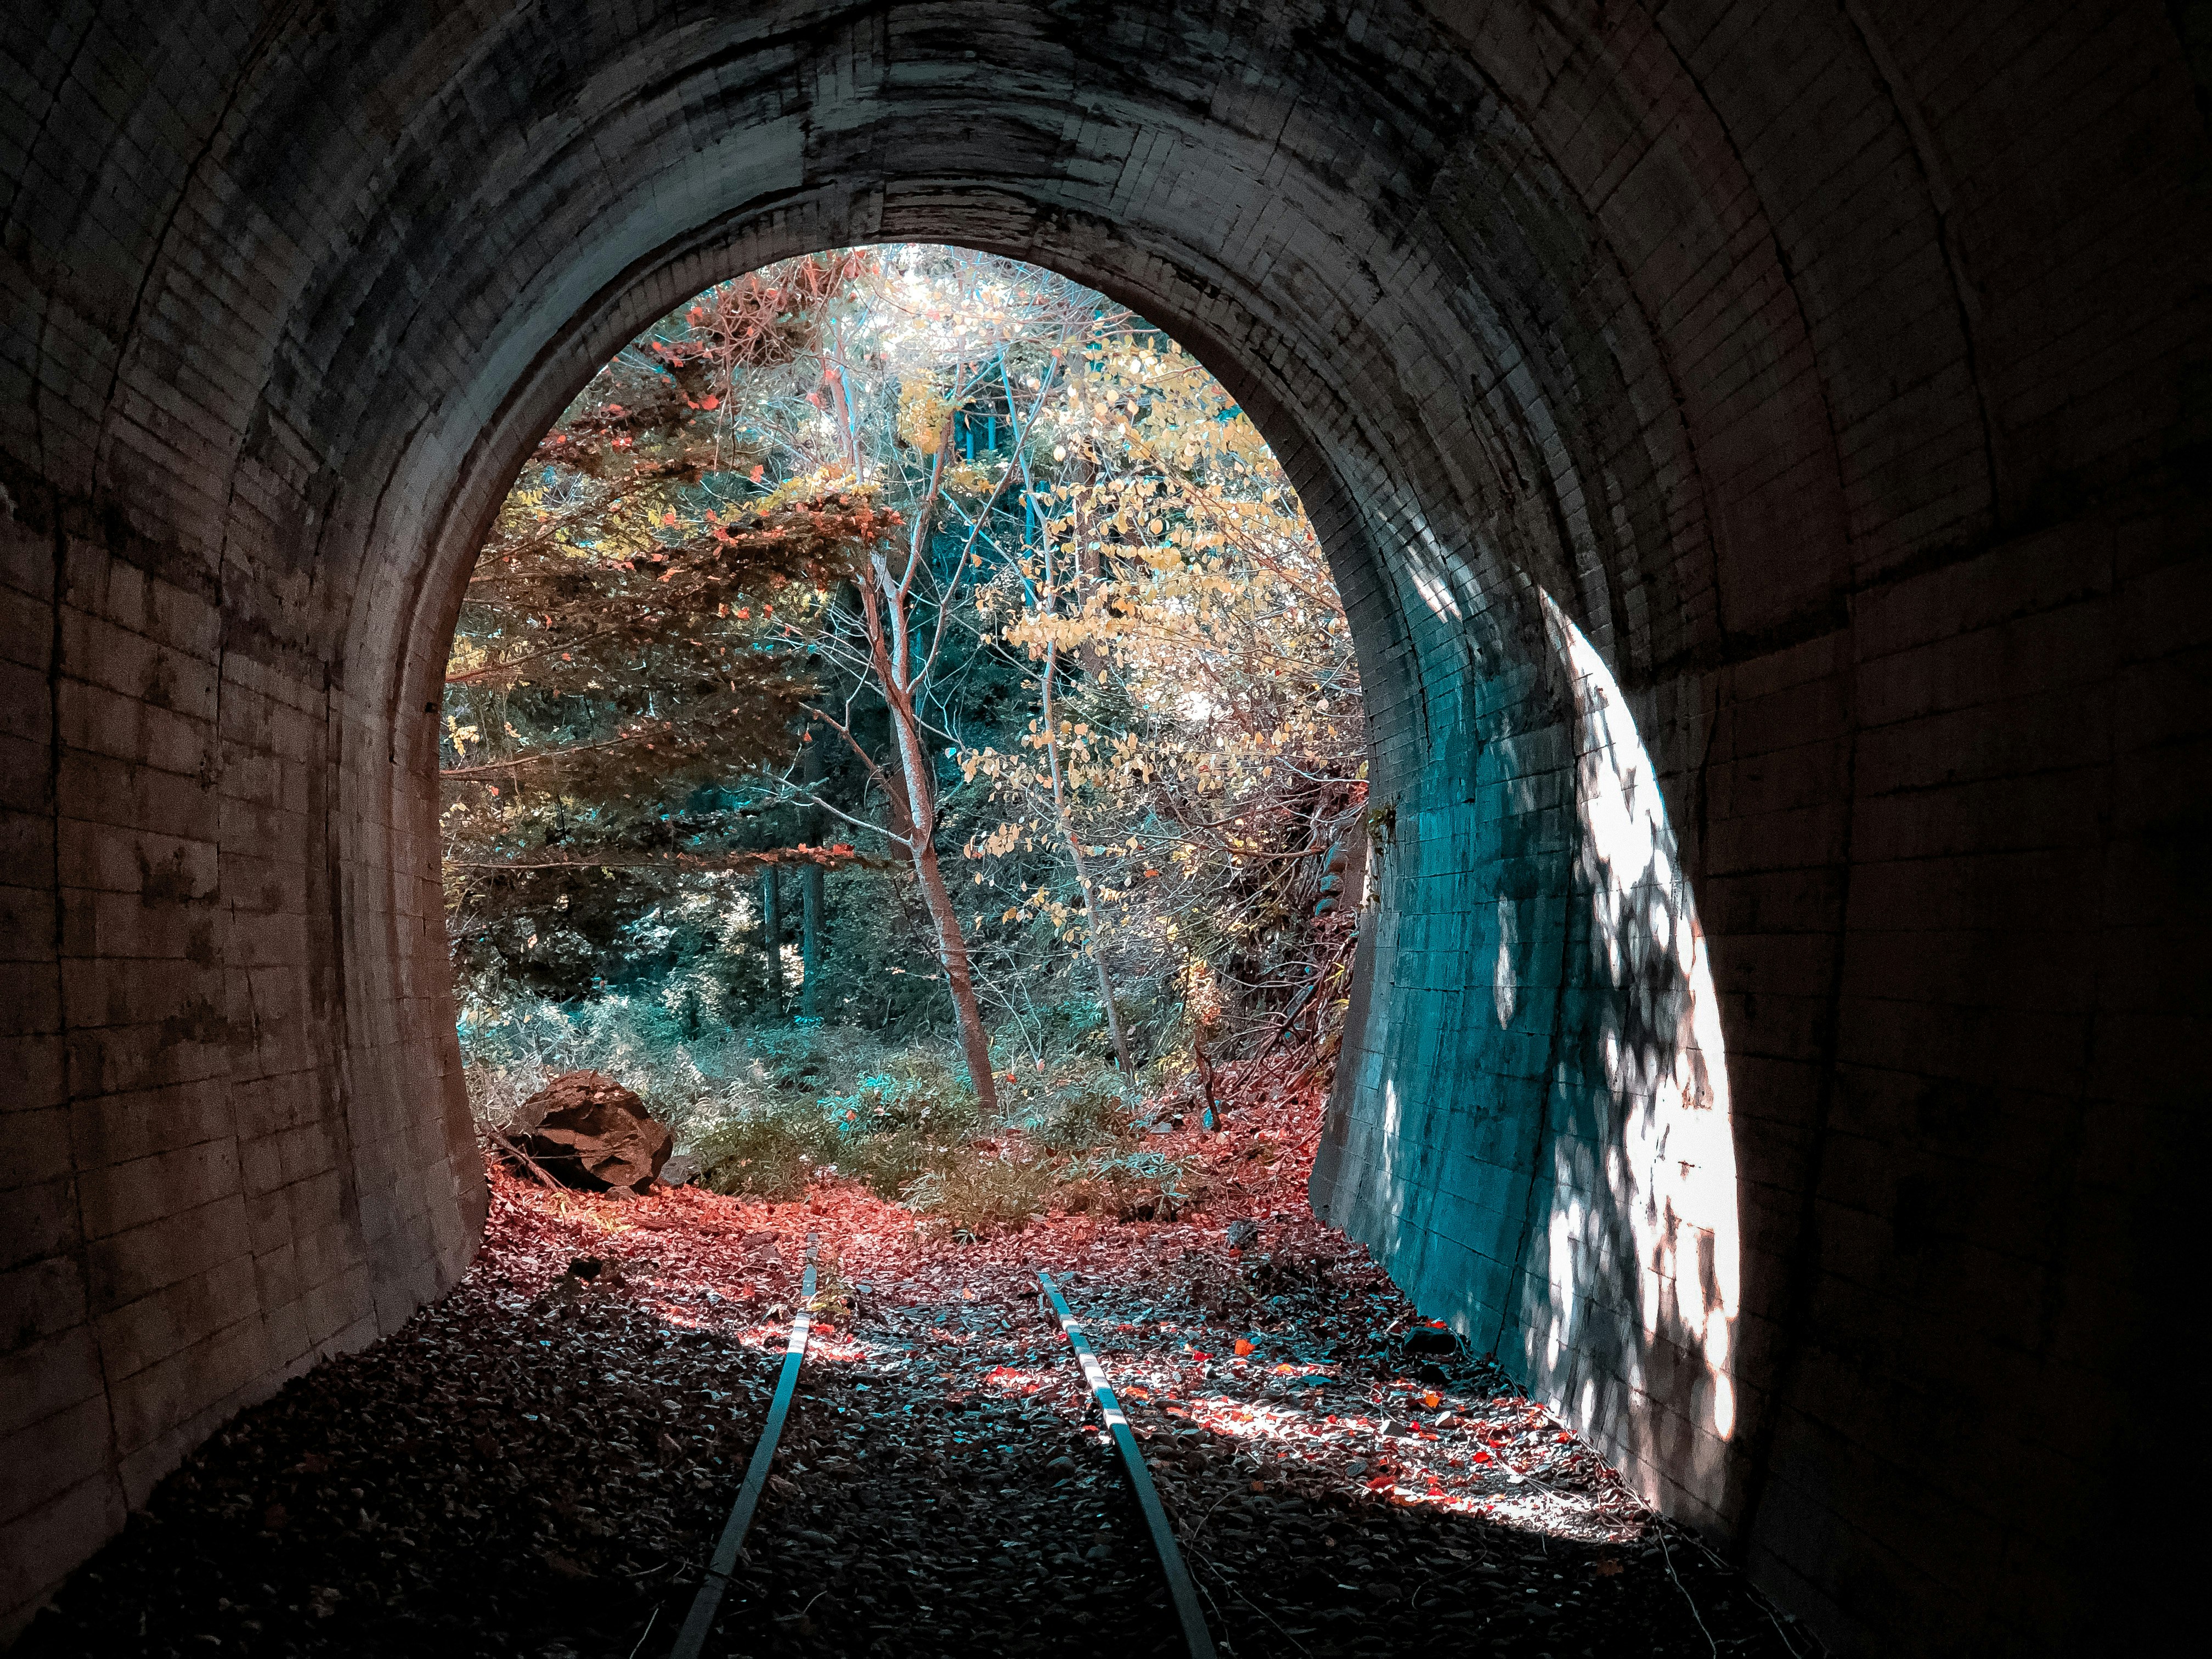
(588, 1132)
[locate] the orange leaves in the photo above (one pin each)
(1431, 1400)
(1243, 1347)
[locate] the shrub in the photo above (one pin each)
(814, 1060)
(980, 1198)
(510, 1049)
(890, 1162)
(765, 1152)
(1074, 1107)
(1130, 1186)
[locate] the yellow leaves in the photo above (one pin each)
(462, 736)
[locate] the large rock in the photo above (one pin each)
(586, 1130)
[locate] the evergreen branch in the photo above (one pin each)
(506, 664)
(838, 857)
(545, 755)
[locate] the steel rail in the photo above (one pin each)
(693, 1637)
(1180, 1591)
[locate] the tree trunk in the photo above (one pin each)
(809, 895)
(1094, 918)
(951, 945)
(772, 931)
(889, 659)
(952, 951)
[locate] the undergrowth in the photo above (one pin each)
(769, 1112)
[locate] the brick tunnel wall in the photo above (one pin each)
(1762, 448)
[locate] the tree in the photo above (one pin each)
(956, 554)
(632, 639)
(895, 412)
(1220, 756)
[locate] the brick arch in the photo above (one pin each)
(1772, 556)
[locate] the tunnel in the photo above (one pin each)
(1763, 449)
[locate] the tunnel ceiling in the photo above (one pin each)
(1762, 448)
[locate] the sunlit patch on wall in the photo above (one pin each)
(1649, 1172)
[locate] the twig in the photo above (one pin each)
(543, 756)
(1667, 1556)
(1207, 1563)
(1705, 1550)
(528, 1162)
(647, 1632)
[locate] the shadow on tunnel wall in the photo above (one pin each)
(1531, 1121)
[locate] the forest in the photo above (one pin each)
(902, 725)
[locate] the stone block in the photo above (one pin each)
(125, 1265)
(38, 1547)
(46, 1458)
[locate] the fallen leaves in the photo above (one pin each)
(538, 1463)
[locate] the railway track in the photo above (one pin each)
(1182, 1593)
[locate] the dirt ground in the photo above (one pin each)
(539, 1465)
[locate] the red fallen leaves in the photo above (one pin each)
(951, 1332)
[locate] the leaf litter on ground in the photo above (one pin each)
(538, 1464)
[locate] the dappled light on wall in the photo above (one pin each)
(1642, 1225)
(1531, 1122)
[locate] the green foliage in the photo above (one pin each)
(771, 1151)
(679, 1066)
(1129, 1184)
(1143, 724)
(982, 1197)
(1070, 1106)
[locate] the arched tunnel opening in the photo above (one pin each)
(1760, 450)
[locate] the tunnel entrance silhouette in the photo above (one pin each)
(1776, 563)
